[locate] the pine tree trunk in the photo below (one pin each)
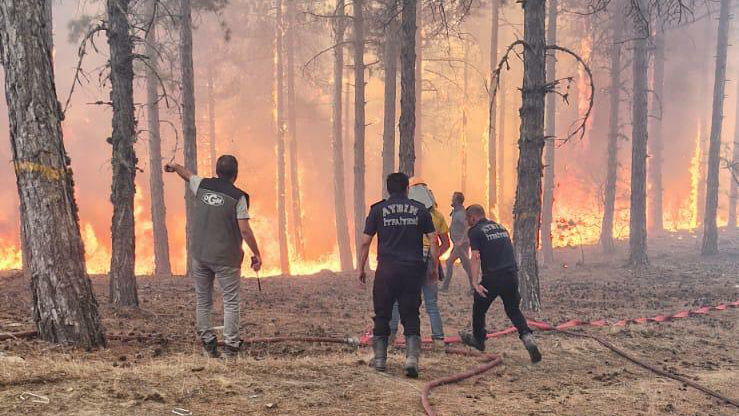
(211, 121)
(638, 207)
(390, 57)
(359, 123)
(655, 137)
(292, 131)
(64, 307)
(407, 123)
(710, 230)
(188, 117)
(606, 231)
(492, 180)
(504, 209)
(548, 199)
(122, 263)
(418, 83)
(704, 123)
(280, 130)
(342, 227)
(463, 141)
(156, 184)
(48, 26)
(733, 194)
(531, 145)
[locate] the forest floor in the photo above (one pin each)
(577, 376)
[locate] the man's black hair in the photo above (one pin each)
(397, 183)
(227, 167)
(476, 209)
(458, 196)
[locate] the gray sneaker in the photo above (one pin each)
(530, 343)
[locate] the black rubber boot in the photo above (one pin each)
(469, 339)
(211, 348)
(412, 353)
(230, 351)
(530, 343)
(379, 346)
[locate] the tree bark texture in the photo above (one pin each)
(390, 58)
(655, 137)
(704, 123)
(64, 306)
(122, 262)
(492, 178)
(359, 124)
(292, 132)
(337, 146)
(548, 199)
(638, 207)
(606, 230)
(162, 264)
(280, 130)
(733, 191)
(710, 230)
(407, 123)
(527, 209)
(188, 116)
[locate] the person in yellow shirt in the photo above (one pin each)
(420, 192)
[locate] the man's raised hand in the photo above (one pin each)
(169, 167)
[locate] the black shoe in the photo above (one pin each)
(231, 351)
(530, 343)
(211, 348)
(469, 339)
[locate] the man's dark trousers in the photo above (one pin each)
(401, 283)
(502, 283)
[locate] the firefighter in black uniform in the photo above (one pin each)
(400, 224)
(493, 255)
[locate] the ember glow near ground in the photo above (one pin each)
(577, 376)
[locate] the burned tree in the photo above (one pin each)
(123, 289)
(188, 116)
(710, 231)
(734, 166)
(638, 207)
(156, 184)
(418, 87)
(548, 197)
(292, 131)
(359, 123)
(337, 145)
(390, 58)
(64, 306)
(211, 119)
(280, 131)
(407, 123)
(527, 207)
(492, 177)
(655, 137)
(614, 93)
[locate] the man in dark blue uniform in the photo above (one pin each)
(492, 253)
(400, 224)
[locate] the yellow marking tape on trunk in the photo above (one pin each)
(52, 174)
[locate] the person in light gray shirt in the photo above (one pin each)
(220, 224)
(461, 249)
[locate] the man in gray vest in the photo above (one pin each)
(220, 224)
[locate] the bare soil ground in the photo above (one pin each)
(577, 377)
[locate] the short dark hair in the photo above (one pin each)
(458, 196)
(227, 167)
(397, 182)
(476, 209)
